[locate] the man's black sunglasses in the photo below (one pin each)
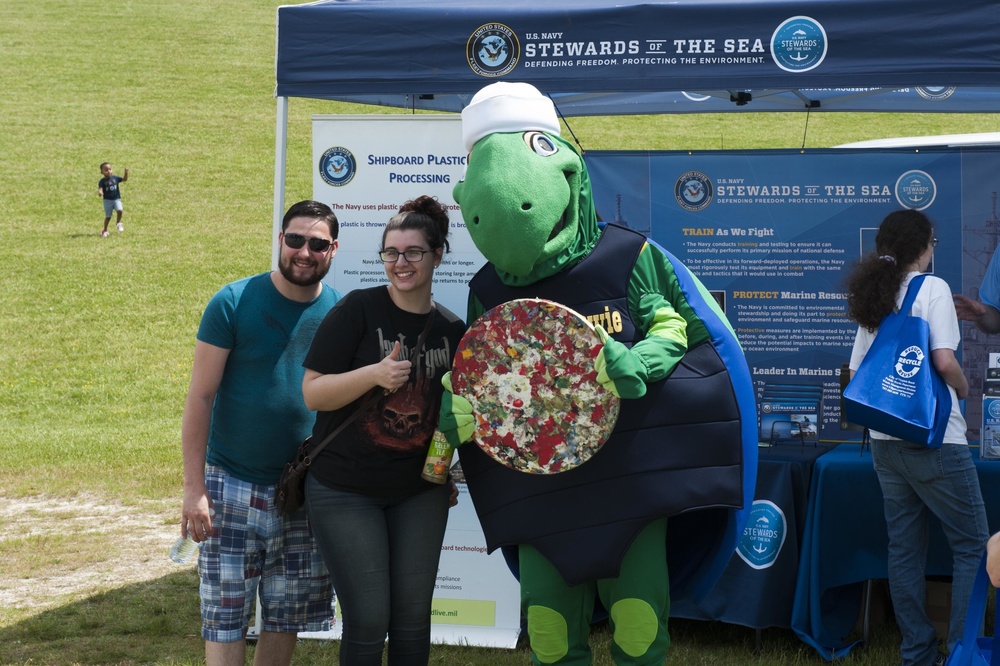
(296, 241)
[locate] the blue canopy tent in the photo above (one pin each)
(604, 57)
(598, 57)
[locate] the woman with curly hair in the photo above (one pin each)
(378, 524)
(917, 480)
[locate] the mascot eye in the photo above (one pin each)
(541, 144)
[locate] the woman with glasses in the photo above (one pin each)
(917, 480)
(378, 524)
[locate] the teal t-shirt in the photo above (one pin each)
(259, 416)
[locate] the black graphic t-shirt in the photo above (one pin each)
(382, 452)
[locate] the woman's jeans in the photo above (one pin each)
(917, 481)
(383, 555)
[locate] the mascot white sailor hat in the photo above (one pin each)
(507, 107)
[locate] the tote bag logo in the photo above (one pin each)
(909, 361)
(799, 44)
(493, 50)
(337, 166)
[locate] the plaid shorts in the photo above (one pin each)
(253, 548)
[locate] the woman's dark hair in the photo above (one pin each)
(874, 281)
(424, 214)
(313, 209)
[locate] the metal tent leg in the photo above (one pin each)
(866, 618)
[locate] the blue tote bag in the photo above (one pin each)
(896, 389)
(972, 650)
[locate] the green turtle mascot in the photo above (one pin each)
(670, 489)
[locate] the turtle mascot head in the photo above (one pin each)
(526, 195)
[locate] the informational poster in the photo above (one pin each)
(365, 167)
(477, 600)
(773, 235)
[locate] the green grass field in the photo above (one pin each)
(97, 334)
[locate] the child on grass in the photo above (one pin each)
(107, 189)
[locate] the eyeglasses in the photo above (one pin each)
(392, 255)
(934, 242)
(296, 241)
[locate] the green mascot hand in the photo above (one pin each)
(617, 369)
(456, 422)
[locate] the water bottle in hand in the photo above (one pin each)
(183, 550)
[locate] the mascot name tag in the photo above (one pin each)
(527, 368)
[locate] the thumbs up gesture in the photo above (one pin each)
(391, 373)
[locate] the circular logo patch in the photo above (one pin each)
(693, 191)
(995, 409)
(799, 44)
(763, 536)
(915, 189)
(909, 361)
(935, 93)
(337, 166)
(493, 50)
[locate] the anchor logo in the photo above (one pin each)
(799, 44)
(916, 189)
(763, 536)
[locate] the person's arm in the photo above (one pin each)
(125, 175)
(100, 191)
(326, 393)
(989, 322)
(950, 370)
(206, 375)
(993, 559)
(985, 317)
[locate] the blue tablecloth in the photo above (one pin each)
(845, 544)
(760, 593)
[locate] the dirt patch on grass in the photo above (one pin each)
(56, 550)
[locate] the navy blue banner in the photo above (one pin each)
(772, 235)
(745, 55)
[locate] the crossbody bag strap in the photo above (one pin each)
(373, 394)
(418, 352)
(367, 402)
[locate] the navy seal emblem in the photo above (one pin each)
(693, 191)
(493, 50)
(337, 166)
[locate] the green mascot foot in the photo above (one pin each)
(639, 638)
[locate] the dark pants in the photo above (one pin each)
(383, 555)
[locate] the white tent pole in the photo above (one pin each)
(280, 156)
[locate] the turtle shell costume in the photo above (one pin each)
(670, 489)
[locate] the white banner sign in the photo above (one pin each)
(365, 167)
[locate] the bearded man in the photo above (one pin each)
(244, 417)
